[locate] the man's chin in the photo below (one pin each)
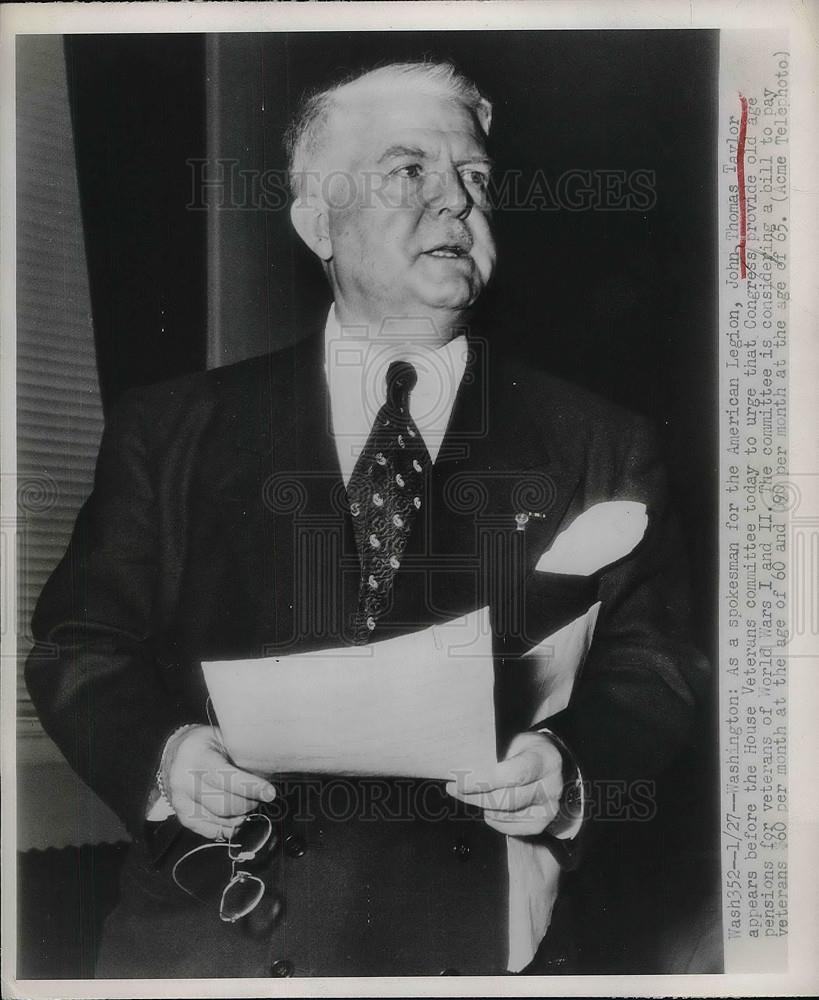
(451, 296)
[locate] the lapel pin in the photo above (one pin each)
(522, 518)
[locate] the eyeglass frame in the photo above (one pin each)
(236, 875)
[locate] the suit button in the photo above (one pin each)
(294, 846)
(461, 849)
(449, 972)
(282, 969)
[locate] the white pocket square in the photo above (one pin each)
(600, 535)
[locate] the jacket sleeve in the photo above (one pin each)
(92, 674)
(643, 682)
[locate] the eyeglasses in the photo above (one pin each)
(244, 890)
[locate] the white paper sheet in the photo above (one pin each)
(534, 875)
(418, 706)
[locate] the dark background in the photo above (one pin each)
(621, 302)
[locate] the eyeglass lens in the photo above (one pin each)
(241, 895)
(250, 837)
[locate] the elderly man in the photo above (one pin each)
(239, 512)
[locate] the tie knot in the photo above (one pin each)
(401, 379)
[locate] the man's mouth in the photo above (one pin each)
(448, 250)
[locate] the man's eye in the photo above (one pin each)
(411, 170)
(480, 178)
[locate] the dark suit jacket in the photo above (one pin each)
(218, 528)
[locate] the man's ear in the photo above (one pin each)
(309, 218)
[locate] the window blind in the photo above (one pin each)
(59, 415)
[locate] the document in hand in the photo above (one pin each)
(419, 705)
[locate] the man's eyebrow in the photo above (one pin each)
(480, 158)
(398, 150)
(393, 151)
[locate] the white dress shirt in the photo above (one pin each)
(356, 369)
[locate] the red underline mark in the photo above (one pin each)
(743, 217)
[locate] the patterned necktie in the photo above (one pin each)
(385, 494)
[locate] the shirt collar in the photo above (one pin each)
(356, 374)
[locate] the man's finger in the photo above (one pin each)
(528, 828)
(231, 780)
(213, 831)
(202, 820)
(224, 804)
(543, 810)
(531, 756)
(522, 769)
(522, 823)
(509, 798)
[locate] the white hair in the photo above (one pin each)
(305, 135)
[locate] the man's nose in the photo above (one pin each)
(445, 192)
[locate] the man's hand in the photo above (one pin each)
(521, 795)
(208, 793)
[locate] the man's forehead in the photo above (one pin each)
(369, 124)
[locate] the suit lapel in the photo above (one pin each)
(499, 459)
(285, 447)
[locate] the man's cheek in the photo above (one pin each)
(483, 251)
(485, 264)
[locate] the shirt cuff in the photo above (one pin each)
(159, 807)
(566, 825)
